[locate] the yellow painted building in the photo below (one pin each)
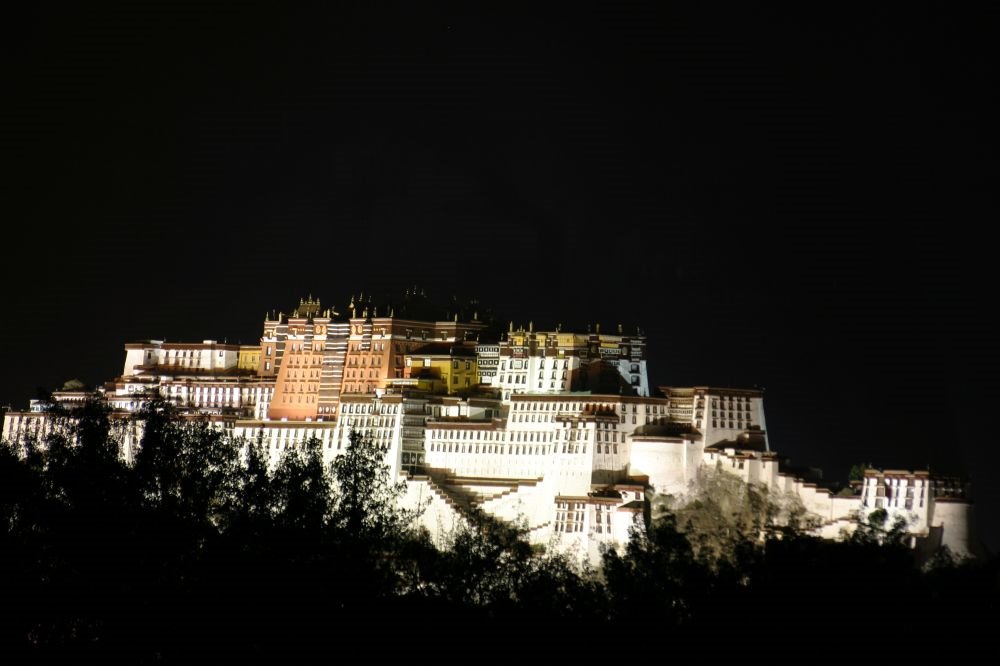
(443, 369)
(249, 358)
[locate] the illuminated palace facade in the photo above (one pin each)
(556, 430)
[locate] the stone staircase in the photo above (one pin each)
(842, 522)
(537, 528)
(457, 492)
(512, 489)
(462, 503)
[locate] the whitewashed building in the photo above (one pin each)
(575, 468)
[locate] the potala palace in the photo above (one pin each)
(555, 429)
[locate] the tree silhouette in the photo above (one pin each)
(659, 573)
(301, 488)
(198, 547)
(366, 496)
(373, 534)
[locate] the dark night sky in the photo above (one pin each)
(791, 199)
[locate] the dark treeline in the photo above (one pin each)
(198, 550)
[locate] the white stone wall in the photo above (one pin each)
(133, 359)
(128, 432)
(210, 395)
(955, 519)
(488, 362)
(32, 425)
(839, 513)
(493, 453)
(535, 374)
(632, 370)
(718, 424)
(208, 355)
(843, 507)
(280, 436)
(902, 496)
(381, 420)
(526, 503)
(436, 514)
(552, 449)
(595, 522)
(671, 463)
(761, 469)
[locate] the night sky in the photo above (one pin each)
(793, 199)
